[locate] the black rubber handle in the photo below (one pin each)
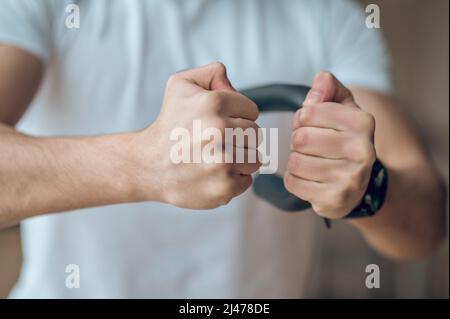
(278, 97)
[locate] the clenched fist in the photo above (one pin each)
(203, 94)
(332, 149)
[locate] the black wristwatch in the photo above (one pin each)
(375, 194)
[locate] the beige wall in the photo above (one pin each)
(417, 35)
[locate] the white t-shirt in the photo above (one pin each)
(109, 76)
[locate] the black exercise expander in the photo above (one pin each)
(278, 98)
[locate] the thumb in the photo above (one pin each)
(212, 77)
(327, 88)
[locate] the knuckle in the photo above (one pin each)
(371, 122)
(369, 156)
(300, 138)
(254, 127)
(224, 188)
(306, 115)
(253, 139)
(173, 79)
(367, 122)
(320, 210)
(293, 163)
(288, 182)
(327, 75)
(224, 200)
(296, 119)
(254, 110)
(340, 199)
(363, 152)
(219, 67)
(336, 204)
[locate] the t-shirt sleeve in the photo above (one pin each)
(27, 24)
(356, 54)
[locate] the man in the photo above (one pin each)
(93, 131)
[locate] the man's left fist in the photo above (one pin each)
(332, 149)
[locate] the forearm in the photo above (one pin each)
(411, 222)
(45, 175)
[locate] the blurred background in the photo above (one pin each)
(417, 33)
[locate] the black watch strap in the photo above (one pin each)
(375, 194)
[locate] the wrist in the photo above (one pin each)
(141, 163)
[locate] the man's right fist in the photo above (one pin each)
(203, 94)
